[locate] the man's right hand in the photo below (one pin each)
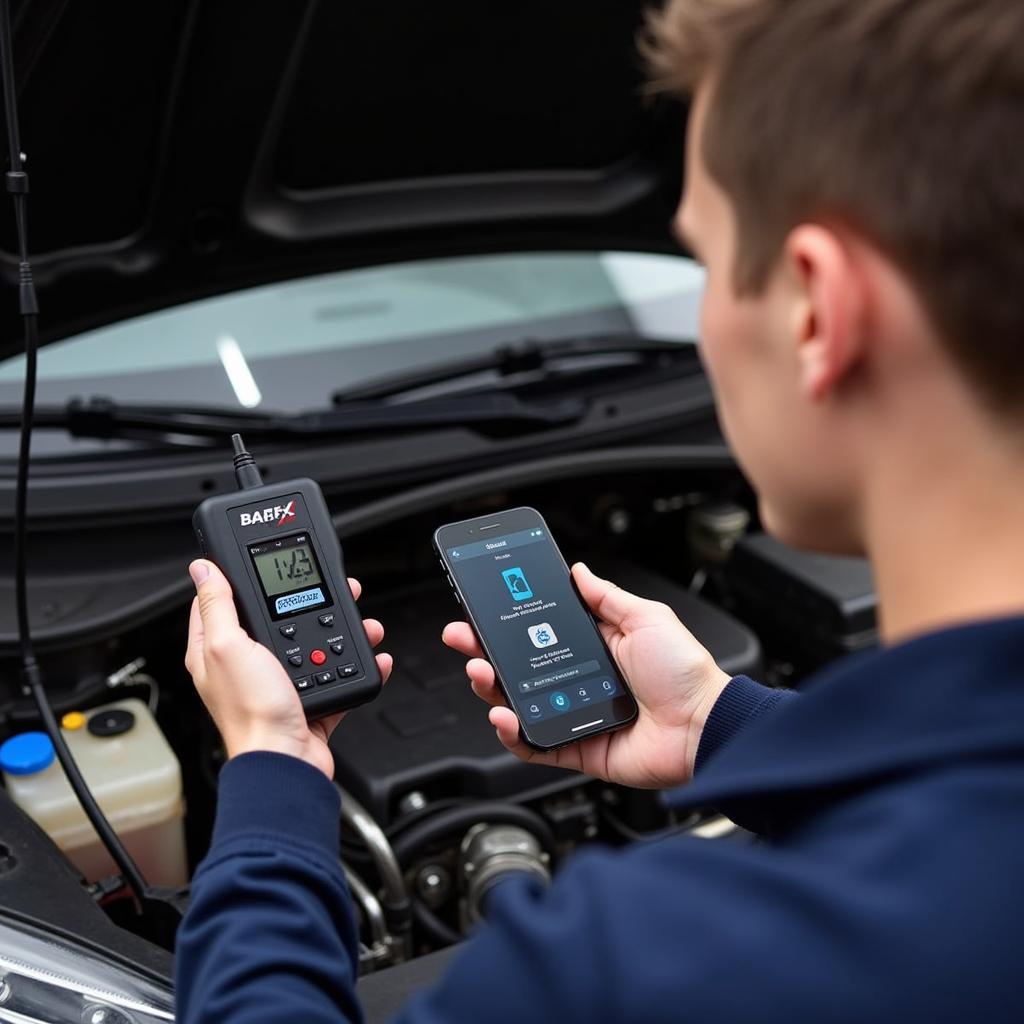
(674, 679)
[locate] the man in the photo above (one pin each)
(855, 188)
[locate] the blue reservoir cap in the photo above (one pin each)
(27, 754)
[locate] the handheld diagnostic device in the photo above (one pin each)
(278, 548)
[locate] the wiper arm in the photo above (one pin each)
(530, 357)
(360, 410)
(497, 412)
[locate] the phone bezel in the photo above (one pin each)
(550, 733)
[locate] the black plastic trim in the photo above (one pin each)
(126, 485)
(175, 588)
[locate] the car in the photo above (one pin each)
(421, 254)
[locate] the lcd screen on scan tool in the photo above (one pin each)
(287, 569)
(290, 575)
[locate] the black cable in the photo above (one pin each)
(247, 473)
(443, 824)
(17, 185)
(410, 819)
(433, 925)
(21, 497)
(631, 835)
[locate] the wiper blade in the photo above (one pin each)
(105, 419)
(529, 357)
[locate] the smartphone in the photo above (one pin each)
(550, 660)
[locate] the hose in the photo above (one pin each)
(459, 819)
(372, 910)
(397, 908)
(433, 925)
(428, 811)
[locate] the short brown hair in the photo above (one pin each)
(903, 119)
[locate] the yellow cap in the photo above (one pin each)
(73, 720)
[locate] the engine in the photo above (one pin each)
(434, 810)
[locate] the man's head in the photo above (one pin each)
(855, 187)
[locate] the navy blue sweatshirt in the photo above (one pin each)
(890, 796)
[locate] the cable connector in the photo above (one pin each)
(109, 885)
(247, 473)
(17, 182)
(30, 676)
(27, 302)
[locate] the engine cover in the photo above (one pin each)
(428, 732)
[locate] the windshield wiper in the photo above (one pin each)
(533, 360)
(496, 412)
(460, 401)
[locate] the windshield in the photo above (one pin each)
(287, 347)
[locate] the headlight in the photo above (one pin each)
(47, 980)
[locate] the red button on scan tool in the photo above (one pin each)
(317, 657)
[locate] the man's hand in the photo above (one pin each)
(246, 689)
(674, 679)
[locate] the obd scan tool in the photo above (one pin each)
(277, 546)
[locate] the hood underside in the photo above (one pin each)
(177, 150)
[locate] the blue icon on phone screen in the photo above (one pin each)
(515, 580)
(559, 701)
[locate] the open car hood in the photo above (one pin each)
(183, 149)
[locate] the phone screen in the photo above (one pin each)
(542, 640)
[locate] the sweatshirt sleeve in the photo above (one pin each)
(742, 702)
(270, 934)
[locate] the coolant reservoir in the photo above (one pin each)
(134, 776)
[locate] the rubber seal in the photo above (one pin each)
(112, 722)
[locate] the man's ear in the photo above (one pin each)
(828, 313)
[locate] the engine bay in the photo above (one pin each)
(431, 802)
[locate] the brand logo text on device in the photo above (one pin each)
(279, 513)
